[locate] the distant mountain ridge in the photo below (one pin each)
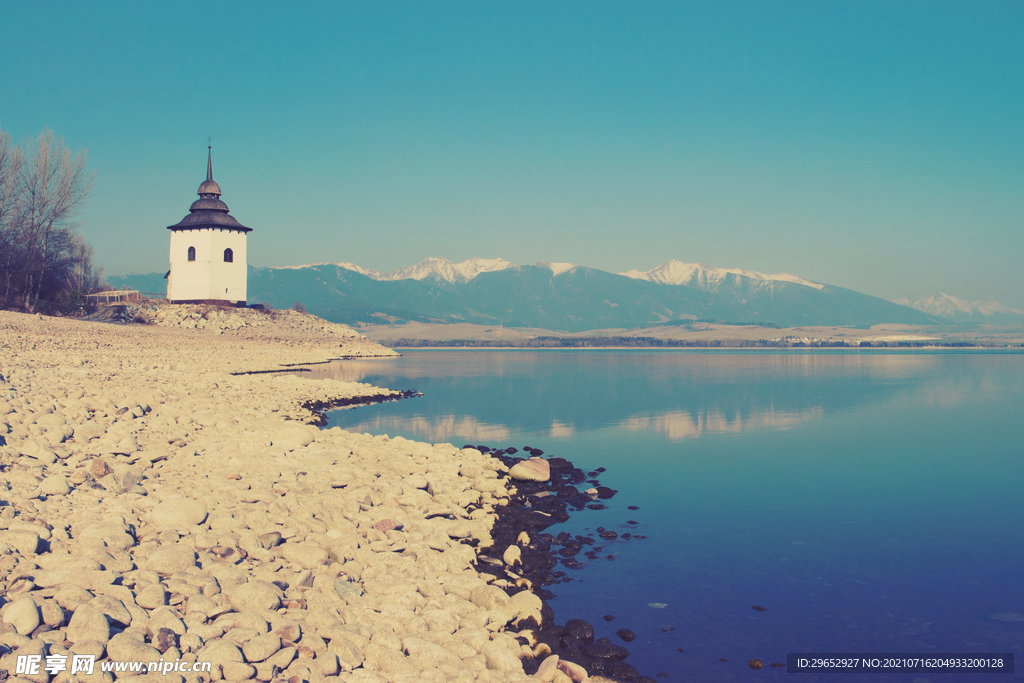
(709, 279)
(962, 311)
(560, 296)
(434, 266)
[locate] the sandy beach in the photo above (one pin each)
(158, 507)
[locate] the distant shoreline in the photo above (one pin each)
(698, 336)
(431, 346)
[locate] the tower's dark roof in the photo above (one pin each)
(209, 211)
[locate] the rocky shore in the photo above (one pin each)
(156, 504)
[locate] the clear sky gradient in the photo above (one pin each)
(872, 145)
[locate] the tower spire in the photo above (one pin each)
(209, 189)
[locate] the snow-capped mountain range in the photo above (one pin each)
(436, 267)
(672, 272)
(960, 310)
(709, 279)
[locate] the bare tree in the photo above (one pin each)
(80, 275)
(43, 186)
(10, 171)
(53, 186)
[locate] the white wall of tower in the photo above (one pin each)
(208, 276)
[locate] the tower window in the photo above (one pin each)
(229, 256)
(191, 253)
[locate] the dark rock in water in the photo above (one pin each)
(609, 617)
(604, 493)
(667, 629)
(468, 445)
(626, 634)
(535, 519)
(758, 608)
(600, 469)
(573, 654)
(622, 670)
(580, 629)
(607, 651)
(512, 450)
(596, 506)
(632, 507)
(627, 536)
(755, 664)
(535, 507)
(536, 452)
(560, 465)
(609, 535)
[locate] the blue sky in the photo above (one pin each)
(872, 145)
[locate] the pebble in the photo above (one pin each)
(171, 560)
(179, 512)
(88, 624)
(23, 615)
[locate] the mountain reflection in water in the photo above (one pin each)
(680, 395)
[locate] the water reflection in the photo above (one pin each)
(436, 429)
(680, 424)
(486, 395)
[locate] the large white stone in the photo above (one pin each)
(496, 601)
(88, 624)
(179, 512)
(256, 596)
(23, 615)
(24, 541)
(306, 555)
(171, 559)
(55, 485)
(534, 469)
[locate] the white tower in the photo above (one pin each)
(208, 250)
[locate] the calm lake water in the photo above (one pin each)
(871, 501)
